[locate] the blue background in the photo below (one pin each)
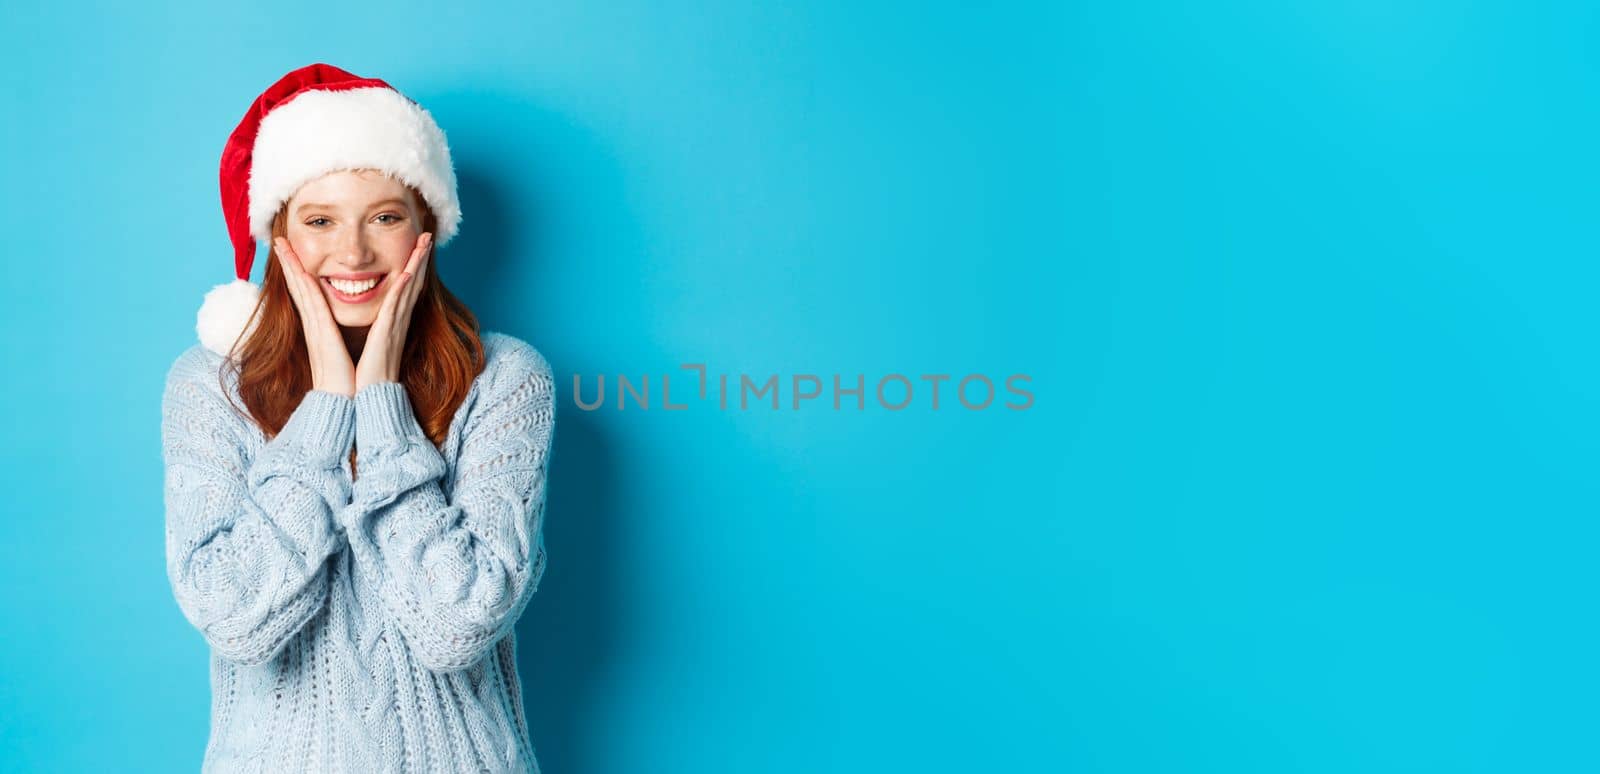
(1305, 292)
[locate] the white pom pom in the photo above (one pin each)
(224, 313)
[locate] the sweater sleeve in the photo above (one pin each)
(247, 541)
(455, 571)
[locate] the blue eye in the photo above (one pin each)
(397, 218)
(313, 221)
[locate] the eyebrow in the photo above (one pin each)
(303, 206)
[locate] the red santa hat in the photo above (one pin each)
(316, 120)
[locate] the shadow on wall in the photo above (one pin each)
(568, 632)
(567, 636)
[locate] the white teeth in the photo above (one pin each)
(351, 287)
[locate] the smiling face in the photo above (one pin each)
(354, 230)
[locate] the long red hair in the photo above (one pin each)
(443, 351)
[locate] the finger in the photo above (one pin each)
(414, 285)
(293, 276)
(424, 240)
(389, 316)
(400, 320)
(385, 320)
(390, 300)
(306, 290)
(424, 250)
(290, 266)
(378, 335)
(404, 302)
(412, 290)
(398, 301)
(292, 269)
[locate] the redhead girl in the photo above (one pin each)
(354, 472)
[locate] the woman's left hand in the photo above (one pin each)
(386, 340)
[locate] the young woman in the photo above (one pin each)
(355, 476)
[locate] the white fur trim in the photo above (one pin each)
(224, 313)
(320, 131)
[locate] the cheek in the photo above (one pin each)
(311, 247)
(396, 249)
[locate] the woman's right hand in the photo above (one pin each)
(331, 367)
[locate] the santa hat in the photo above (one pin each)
(315, 120)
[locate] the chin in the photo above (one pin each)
(354, 322)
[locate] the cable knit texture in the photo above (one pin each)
(360, 621)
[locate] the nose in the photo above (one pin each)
(352, 250)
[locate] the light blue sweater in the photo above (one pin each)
(365, 624)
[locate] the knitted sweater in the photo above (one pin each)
(360, 621)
